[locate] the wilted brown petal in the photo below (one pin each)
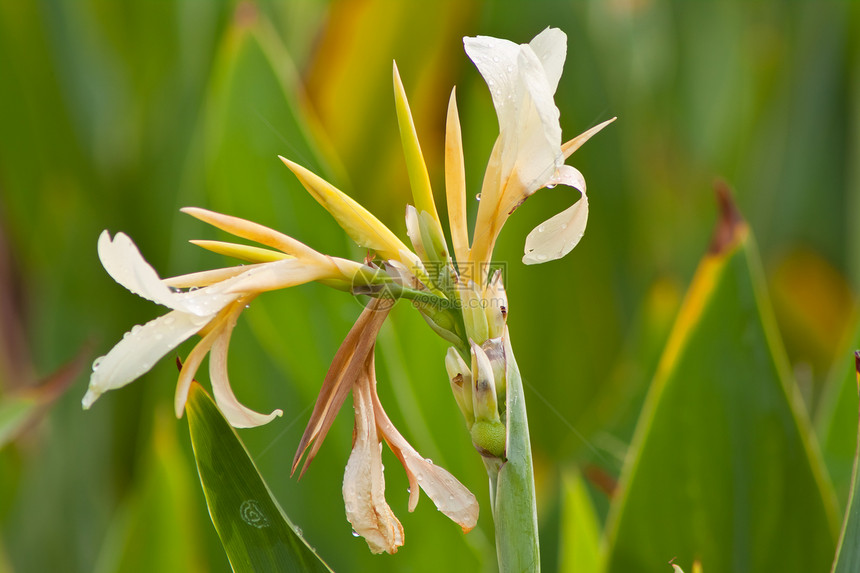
(363, 481)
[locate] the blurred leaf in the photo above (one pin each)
(15, 415)
(158, 529)
(580, 528)
(848, 553)
(722, 469)
(254, 530)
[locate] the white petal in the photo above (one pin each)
(238, 415)
(124, 263)
(496, 60)
(551, 48)
(558, 235)
(139, 350)
(278, 275)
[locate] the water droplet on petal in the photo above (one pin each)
(355, 533)
(510, 69)
(420, 477)
(408, 490)
(564, 225)
(478, 196)
(495, 58)
(97, 362)
(428, 460)
(135, 329)
(550, 185)
(541, 257)
(541, 229)
(194, 288)
(169, 320)
(450, 498)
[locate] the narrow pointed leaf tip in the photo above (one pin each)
(731, 227)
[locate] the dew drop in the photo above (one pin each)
(478, 196)
(428, 460)
(495, 58)
(564, 225)
(408, 490)
(450, 498)
(541, 257)
(169, 320)
(355, 533)
(97, 362)
(159, 336)
(550, 185)
(510, 69)
(194, 288)
(135, 329)
(541, 229)
(420, 477)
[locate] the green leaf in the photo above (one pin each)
(580, 528)
(15, 414)
(848, 553)
(514, 507)
(722, 469)
(255, 532)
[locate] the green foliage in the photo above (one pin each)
(254, 530)
(722, 463)
(114, 114)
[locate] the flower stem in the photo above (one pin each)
(512, 487)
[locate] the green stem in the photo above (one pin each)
(512, 484)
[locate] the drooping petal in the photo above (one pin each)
(449, 495)
(139, 350)
(190, 367)
(455, 182)
(558, 235)
(345, 369)
(363, 480)
(237, 414)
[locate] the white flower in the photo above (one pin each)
(211, 310)
(528, 154)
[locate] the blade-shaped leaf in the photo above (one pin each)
(580, 528)
(514, 508)
(255, 532)
(721, 469)
(848, 553)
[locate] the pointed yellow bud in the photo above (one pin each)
(474, 317)
(362, 227)
(419, 180)
(496, 305)
(460, 377)
(455, 182)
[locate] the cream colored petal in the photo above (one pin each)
(449, 495)
(124, 263)
(364, 482)
(207, 278)
(413, 230)
(557, 236)
(238, 415)
(282, 274)
(190, 367)
(139, 350)
(550, 46)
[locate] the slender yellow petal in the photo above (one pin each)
(248, 253)
(253, 232)
(455, 182)
(569, 147)
(207, 278)
(362, 227)
(418, 177)
(486, 225)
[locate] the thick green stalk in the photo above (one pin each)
(512, 490)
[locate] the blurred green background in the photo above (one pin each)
(115, 114)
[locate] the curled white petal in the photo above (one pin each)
(550, 46)
(238, 415)
(557, 236)
(139, 350)
(124, 263)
